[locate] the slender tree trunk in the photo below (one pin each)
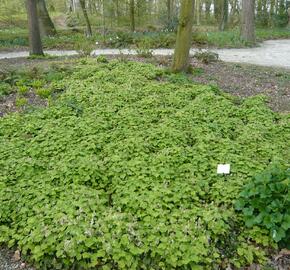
(169, 10)
(132, 15)
(33, 26)
(197, 10)
(248, 21)
(217, 9)
(117, 12)
(84, 9)
(45, 23)
(183, 39)
(272, 11)
(224, 15)
(207, 10)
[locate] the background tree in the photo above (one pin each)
(169, 10)
(85, 13)
(183, 39)
(132, 15)
(248, 21)
(33, 26)
(224, 10)
(45, 23)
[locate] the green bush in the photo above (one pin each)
(206, 56)
(120, 172)
(23, 89)
(21, 102)
(5, 89)
(281, 19)
(43, 92)
(13, 37)
(265, 202)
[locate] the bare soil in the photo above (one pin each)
(246, 80)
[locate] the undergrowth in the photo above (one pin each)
(75, 40)
(120, 172)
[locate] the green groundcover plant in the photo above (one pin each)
(265, 201)
(119, 172)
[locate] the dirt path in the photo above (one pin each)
(275, 53)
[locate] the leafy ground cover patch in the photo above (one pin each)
(22, 89)
(266, 202)
(120, 172)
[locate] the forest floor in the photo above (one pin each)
(241, 80)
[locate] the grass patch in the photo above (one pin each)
(231, 38)
(13, 38)
(120, 172)
(67, 39)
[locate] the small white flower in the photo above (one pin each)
(97, 43)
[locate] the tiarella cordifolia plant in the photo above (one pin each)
(120, 172)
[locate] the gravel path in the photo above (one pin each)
(10, 261)
(275, 53)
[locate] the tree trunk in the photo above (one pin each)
(132, 15)
(33, 26)
(183, 39)
(224, 15)
(117, 12)
(84, 9)
(216, 9)
(169, 10)
(197, 10)
(207, 10)
(46, 25)
(248, 21)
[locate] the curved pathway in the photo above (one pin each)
(274, 53)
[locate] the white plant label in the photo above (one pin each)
(223, 168)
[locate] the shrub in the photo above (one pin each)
(144, 52)
(206, 56)
(43, 92)
(23, 89)
(37, 83)
(21, 102)
(102, 59)
(85, 47)
(265, 202)
(199, 38)
(5, 89)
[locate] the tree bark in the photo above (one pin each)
(117, 12)
(224, 15)
(183, 39)
(84, 9)
(33, 26)
(216, 9)
(248, 21)
(132, 15)
(197, 10)
(45, 23)
(169, 10)
(207, 10)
